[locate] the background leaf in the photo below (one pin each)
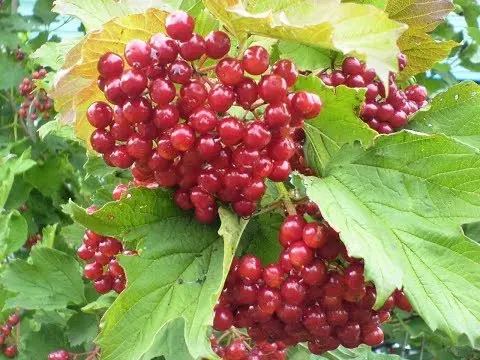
(400, 205)
(337, 124)
(53, 280)
(455, 113)
(346, 27)
(13, 233)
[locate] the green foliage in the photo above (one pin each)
(454, 113)
(337, 125)
(399, 205)
(52, 281)
(13, 233)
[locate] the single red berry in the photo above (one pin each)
(180, 72)
(229, 71)
(193, 49)
(352, 66)
(300, 254)
(272, 88)
(250, 269)
(13, 319)
(277, 115)
(85, 253)
(59, 355)
(165, 116)
(256, 136)
(217, 44)
(281, 171)
(256, 60)
(372, 335)
(273, 275)
(230, 130)
(137, 110)
(115, 269)
(137, 54)
(209, 147)
(401, 301)
(133, 82)
(221, 98)
(120, 157)
(110, 65)
(110, 246)
(314, 273)
(286, 69)
(291, 230)
(179, 25)
(103, 284)
(236, 350)
(269, 300)
(162, 91)
(293, 290)
(93, 271)
(100, 115)
(10, 351)
(165, 49)
(203, 120)
(247, 92)
(307, 104)
(223, 318)
(139, 148)
(102, 141)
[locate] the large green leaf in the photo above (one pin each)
(346, 27)
(13, 233)
(52, 54)
(455, 113)
(421, 17)
(179, 273)
(261, 237)
(82, 328)
(38, 343)
(170, 343)
(43, 10)
(10, 166)
(52, 280)
(400, 206)
(15, 74)
(306, 57)
(363, 352)
(338, 123)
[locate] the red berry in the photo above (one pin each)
(217, 44)
(193, 48)
(100, 115)
(93, 271)
(272, 88)
(314, 273)
(137, 110)
(164, 48)
(179, 25)
(120, 157)
(102, 141)
(103, 284)
(247, 92)
(307, 104)
(115, 269)
(203, 120)
(230, 130)
(256, 60)
(293, 290)
(110, 246)
(221, 98)
(269, 300)
(300, 254)
(110, 65)
(250, 269)
(137, 54)
(352, 66)
(13, 319)
(236, 350)
(133, 82)
(223, 318)
(162, 91)
(139, 148)
(401, 301)
(10, 351)
(291, 230)
(59, 355)
(229, 71)
(273, 275)
(165, 116)
(180, 72)
(372, 335)
(182, 137)
(85, 253)
(281, 171)
(277, 115)
(286, 69)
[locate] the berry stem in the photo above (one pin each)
(207, 69)
(202, 60)
(286, 199)
(241, 48)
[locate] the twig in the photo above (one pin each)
(404, 346)
(286, 199)
(422, 348)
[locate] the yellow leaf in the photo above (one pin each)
(351, 28)
(422, 52)
(75, 87)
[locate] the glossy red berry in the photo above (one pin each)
(221, 98)
(137, 110)
(164, 48)
(110, 65)
(59, 355)
(250, 269)
(352, 66)
(272, 88)
(179, 25)
(137, 54)
(223, 318)
(182, 137)
(10, 351)
(162, 91)
(217, 44)
(230, 130)
(229, 71)
(103, 284)
(93, 271)
(193, 49)
(256, 60)
(102, 141)
(100, 115)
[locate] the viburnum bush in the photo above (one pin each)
(262, 181)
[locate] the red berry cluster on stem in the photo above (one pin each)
(382, 112)
(35, 105)
(316, 293)
(8, 343)
(167, 119)
(102, 267)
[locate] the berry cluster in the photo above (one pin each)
(19, 54)
(167, 118)
(32, 240)
(102, 266)
(316, 293)
(7, 344)
(36, 105)
(382, 112)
